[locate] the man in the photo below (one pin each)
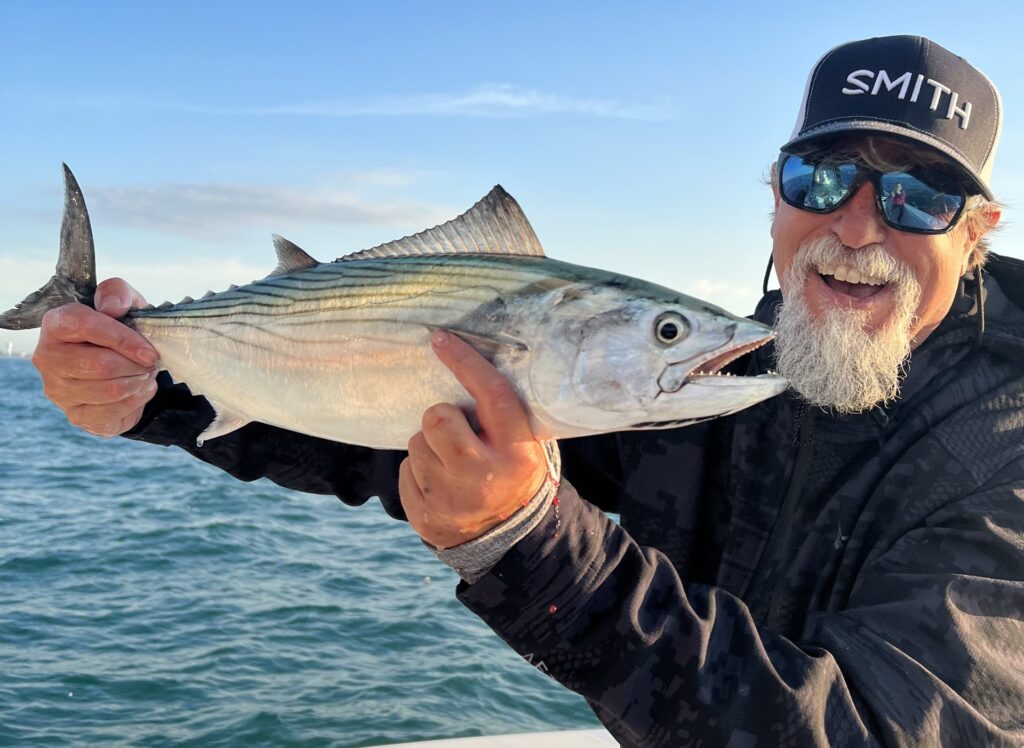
(841, 565)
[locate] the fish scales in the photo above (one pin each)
(354, 349)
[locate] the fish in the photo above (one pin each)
(340, 350)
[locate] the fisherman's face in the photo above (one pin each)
(935, 261)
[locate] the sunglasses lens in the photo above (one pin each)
(816, 187)
(909, 202)
(915, 205)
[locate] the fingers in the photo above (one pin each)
(423, 462)
(502, 416)
(76, 323)
(97, 370)
(410, 494)
(114, 297)
(108, 391)
(112, 418)
(449, 437)
(90, 362)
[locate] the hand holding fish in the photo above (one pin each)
(98, 371)
(456, 484)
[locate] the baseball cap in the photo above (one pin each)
(907, 86)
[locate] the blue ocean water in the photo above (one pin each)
(147, 599)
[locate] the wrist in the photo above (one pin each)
(473, 558)
(547, 474)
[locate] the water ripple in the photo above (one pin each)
(150, 600)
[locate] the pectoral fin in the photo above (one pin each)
(490, 346)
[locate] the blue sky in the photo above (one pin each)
(635, 136)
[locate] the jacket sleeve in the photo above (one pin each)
(928, 650)
(176, 417)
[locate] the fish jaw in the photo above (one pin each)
(600, 368)
(705, 396)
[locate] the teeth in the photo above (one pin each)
(850, 275)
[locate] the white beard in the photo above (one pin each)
(835, 362)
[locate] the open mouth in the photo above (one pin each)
(709, 369)
(713, 366)
(724, 393)
(851, 282)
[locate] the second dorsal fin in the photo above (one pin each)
(495, 225)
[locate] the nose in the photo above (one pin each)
(857, 223)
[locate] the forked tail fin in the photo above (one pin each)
(75, 279)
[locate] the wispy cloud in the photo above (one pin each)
(488, 100)
(157, 281)
(202, 210)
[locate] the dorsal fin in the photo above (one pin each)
(495, 225)
(290, 257)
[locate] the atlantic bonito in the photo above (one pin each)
(341, 350)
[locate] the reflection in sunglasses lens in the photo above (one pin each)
(907, 201)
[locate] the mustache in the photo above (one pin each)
(870, 260)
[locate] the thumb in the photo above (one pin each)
(503, 417)
(114, 297)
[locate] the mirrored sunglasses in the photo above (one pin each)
(908, 201)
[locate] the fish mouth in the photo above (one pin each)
(700, 391)
(713, 365)
(679, 374)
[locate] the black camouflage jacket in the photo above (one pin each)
(784, 576)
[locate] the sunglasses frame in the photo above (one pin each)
(866, 174)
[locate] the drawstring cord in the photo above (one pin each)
(979, 292)
(767, 275)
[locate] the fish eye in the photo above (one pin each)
(670, 328)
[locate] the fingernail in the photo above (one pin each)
(110, 304)
(66, 321)
(440, 338)
(147, 356)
